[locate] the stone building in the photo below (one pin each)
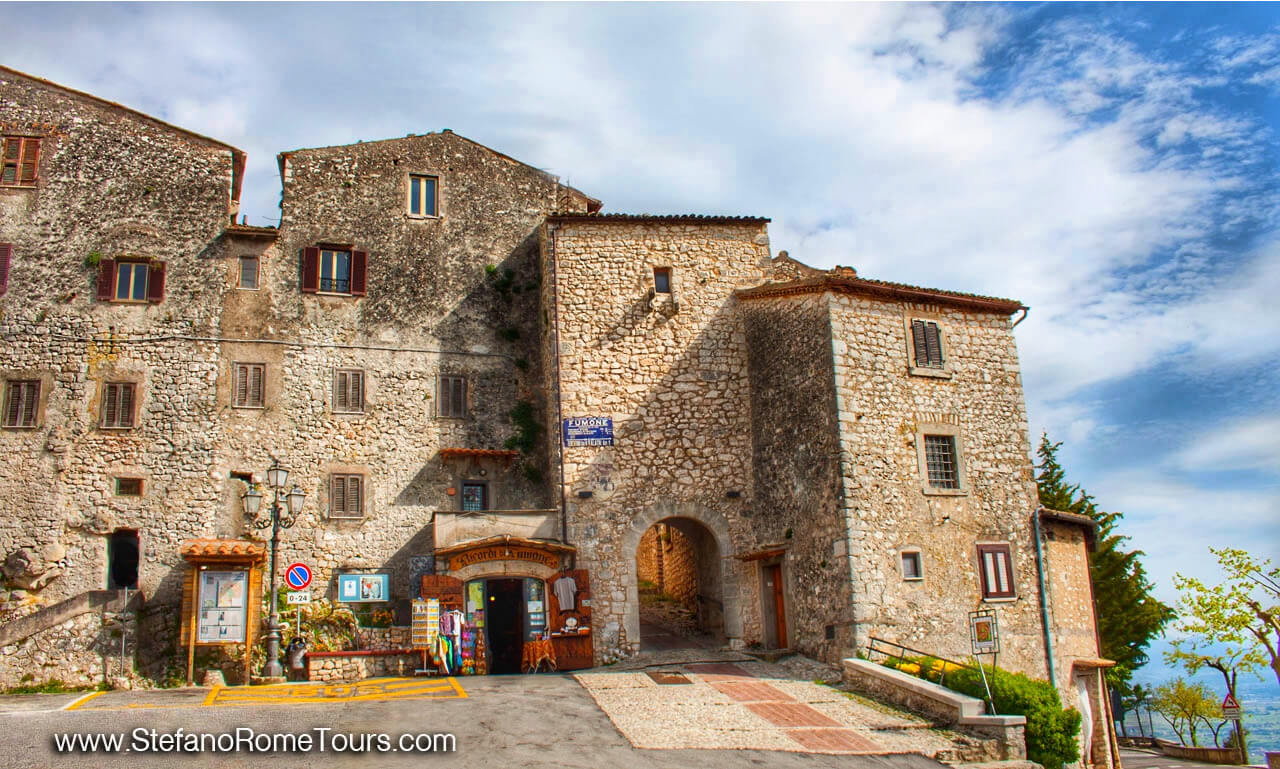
(482, 384)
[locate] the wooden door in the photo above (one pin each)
(779, 605)
(574, 651)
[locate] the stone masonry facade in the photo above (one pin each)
(774, 417)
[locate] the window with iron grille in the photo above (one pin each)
(128, 487)
(995, 570)
(475, 496)
(346, 496)
(926, 341)
(249, 272)
(911, 565)
(117, 405)
(453, 397)
(348, 391)
(940, 461)
(21, 403)
(21, 161)
(248, 387)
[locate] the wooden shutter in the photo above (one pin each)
(573, 652)
(340, 391)
(310, 270)
(6, 253)
(338, 495)
(918, 343)
(932, 344)
(155, 282)
(110, 393)
(995, 567)
(13, 404)
(459, 396)
(126, 404)
(32, 392)
(359, 269)
(106, 280)
(30, 161)
(354, 496)
(355, 394)
(240, 383)
(256, 375)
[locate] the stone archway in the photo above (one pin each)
(718, 573)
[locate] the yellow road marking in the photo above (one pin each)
(372, 689)
(458, 688)
(213, 695)
(82, 700)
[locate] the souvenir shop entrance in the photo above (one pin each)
(518, 609)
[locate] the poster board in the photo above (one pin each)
(364, 588)
(984, 633)
(223, 607)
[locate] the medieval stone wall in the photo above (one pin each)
(667, 559)
(884, 410)
(671, 371)
(796, 463)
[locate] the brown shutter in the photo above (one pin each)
(359, 268)
(126, 405)
(310, 270)
(357, 390)
(933, 345)
(30, 160)
(338, 495)
(240, 382)
(6, 252)
(459, 397)
(106, 280)
(918, 342)
(155, 282)
(13, 391)
(340, 391)
(109, 405)
(32, 390)
(354, 492)
(256, 375)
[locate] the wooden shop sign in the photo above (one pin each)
(504, 553)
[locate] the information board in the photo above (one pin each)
(223, 602)
(362, 588)
(588, 431)
(984, 632)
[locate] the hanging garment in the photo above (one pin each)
(566, 589)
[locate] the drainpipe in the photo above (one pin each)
(555, 428)
(1021, 318)
(1044, 599)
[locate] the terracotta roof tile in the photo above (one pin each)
(572, 216)
(846, 280)
(222, 548)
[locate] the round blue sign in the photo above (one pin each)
(298, 575)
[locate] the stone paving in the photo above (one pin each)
(742, 703)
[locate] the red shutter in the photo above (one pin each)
(310, 270)
(6, 251)
(359, 268)
(155, 282)
(106, 280)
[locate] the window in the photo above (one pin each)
(662, 280)
(248, 385)
(346, 496)
(21, 161)
(249, 272)
(6, 256)
(475, 496)
(117, 404)
(926, 342)
(334, 270)
(130, 280)
(128, 487)
(995, 568)
(21, 403)
(348, 391)
(422, 195)
(940, 461)
(453, 397)
(911, 565)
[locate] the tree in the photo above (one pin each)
(1186, 706)
(1242, 613)
(1129, 616)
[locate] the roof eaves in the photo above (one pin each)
(900, 291)
(576, 216)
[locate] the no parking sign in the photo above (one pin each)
(298, 575)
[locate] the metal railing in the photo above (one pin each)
(892, 650)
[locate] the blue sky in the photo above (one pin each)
(1114, 166)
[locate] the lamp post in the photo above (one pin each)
(282, 516)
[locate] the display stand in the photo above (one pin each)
(221, 597)
(425, 617)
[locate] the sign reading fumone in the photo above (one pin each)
(588, 431)
(503, 553)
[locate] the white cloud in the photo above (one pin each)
(1251, 444)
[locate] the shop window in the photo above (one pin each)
(475, 496)
(249, 272)
(118, 400)
(248, 385)
(346, 496)
(453, 397)
(21, 161)
(21, 403)
(423, 195)
(348, 391)
(995, 570)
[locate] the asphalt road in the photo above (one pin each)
(1143, 759)
(522, 721)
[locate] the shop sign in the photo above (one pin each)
(223, 605)
(588, 431)
(360, 588)
(984, 633)
(504, 553)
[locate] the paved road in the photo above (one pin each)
(498, 721)
(1142, 759)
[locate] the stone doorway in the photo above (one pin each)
(122, 559)
(679, 585)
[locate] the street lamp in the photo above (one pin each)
(284, 513)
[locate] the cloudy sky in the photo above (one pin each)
(1112, 166)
